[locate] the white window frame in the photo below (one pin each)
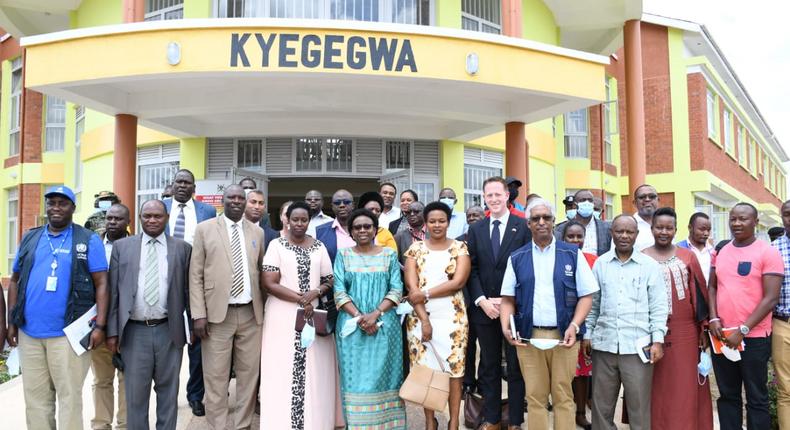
(729, 144)
(323, 10)
(12, 222)
(710, 99)
(53, 128)
(15, 123)
(79, 124)
(475, 13)
(608, 205)
(572, 139)
(160, 14)
(324, 171)
(476, 192)
(742, 137)
(163, 161)
(610, 124)
(753, 156)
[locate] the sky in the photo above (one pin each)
(755, 38)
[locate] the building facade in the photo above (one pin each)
(327, 94)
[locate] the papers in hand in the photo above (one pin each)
(79, 329)
(643, 345)
(186, 328)
(719, 347)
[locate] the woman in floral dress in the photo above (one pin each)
(436, 271)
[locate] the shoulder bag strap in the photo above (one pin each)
(438, 359)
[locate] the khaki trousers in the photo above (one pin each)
(549, 372)
(780, 351)
(51, 369)
(104, 391)
(238, 337)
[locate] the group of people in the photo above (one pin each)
(320, 321)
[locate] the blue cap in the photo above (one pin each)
(61, 190)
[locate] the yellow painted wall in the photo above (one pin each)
(97, 176)
(198, 8)
(541, 178)
(194, 156)
(451, 156)
(448, 13)
(92, 13)
(5, 107)
(538, 22)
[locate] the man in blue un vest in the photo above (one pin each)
(547, 289)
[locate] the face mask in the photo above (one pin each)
(585, 209)
(597, 214)
(544, 344)
(731, 354)
(105, 205)
(704, 366)
(308, 336)
(571, 213)
(450, 203)
(404, 308)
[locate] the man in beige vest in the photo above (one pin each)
(227, 307)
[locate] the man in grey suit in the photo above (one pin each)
(149, 275)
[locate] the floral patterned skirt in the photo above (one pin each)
(450, 335)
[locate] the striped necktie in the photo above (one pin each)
(238, 262)
(181, 223)
(151, 291)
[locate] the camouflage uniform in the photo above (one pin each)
(96, 221)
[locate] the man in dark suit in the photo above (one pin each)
(149, 293)
(598, 236)
(185, 214)
(490, 242)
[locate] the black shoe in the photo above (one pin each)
(198, 409)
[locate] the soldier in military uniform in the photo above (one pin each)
(104, 200)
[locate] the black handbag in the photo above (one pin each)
(327, 303)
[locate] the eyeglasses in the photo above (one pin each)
(647, 196)
(344, 202)
(545, 218)
(360, 227)
(413, 212)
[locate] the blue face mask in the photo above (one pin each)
(105, 205)
(450, 203)
(597, 214)
(571, 213)
(585, 209)
(704, 366)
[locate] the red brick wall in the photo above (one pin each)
(30, 198)
(706, 155)
(594, 114)
(658, 103)
(31, 146)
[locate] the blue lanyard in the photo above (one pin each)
(54, 250)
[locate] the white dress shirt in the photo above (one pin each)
(544, 309)
(704, 258)
(457, 225)
(246, 294)
(107, 248)
(319, 219)
(503, 220)
(385, 218)
(645, 237)
(141, 310)
(190, 219)
(591, 238)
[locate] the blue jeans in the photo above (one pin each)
(751, 373)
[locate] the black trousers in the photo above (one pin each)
(751, 373)
(470, 369)
(195, 388)
(490, 339)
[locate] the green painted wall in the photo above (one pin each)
(194, 156)
(541, 178)
(92, 13)
(5, 108)
(538, 22)
(198, 8)
(97, 176)
(451, 156)
(448, 13)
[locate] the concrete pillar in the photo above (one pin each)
(511, 18)
(125, 162)
(517, 157)
(635, 105)
(133, 11)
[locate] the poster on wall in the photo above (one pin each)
(210, 192)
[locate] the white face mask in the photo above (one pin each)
(404, 308)
(544, 344)
(450, 203)
(731, 354)
(105, 205)
(349, 327)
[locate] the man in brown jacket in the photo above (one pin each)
(227, 307)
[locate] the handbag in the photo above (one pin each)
(427, 387)
(473, 410)
(318, 321)
(327, 303)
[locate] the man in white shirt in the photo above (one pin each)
(315, 200)
(597, 237)
(457, 225)
(697, 242)
(646, 203)
(390, 212)
(548, 306)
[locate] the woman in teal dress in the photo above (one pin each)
(368, 287)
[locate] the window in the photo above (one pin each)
(55, 124)
(79, 120)
(479, 165)
(765, 169)
(753, 157)
(12, 224)
(742, 136)
(398, 155)
(576, 134)
(610, 123)
(249, 154)
(395, 11)
(609, 206)
(16, 105)
(157, 10)
(713, 130)
(311, 152)
(338, 155)
(308, 155)
(729, 145)
(719, 219)
(156, 167)
(481, 15)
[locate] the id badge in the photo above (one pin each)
(52, 283)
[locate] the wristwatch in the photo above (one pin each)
(576, 326)
(744, 330)
(100, 327)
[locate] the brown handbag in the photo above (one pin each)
(319, 321)
(473, 411)
(427, 387)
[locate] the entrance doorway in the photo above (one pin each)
(282, 190)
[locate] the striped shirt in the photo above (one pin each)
(783, 245)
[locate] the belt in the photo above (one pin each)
(238, 305)
(544, 327)
(149, 323)
(782, 318)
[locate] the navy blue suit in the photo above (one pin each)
(326, 234)
(486, 280)
(195, 387)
